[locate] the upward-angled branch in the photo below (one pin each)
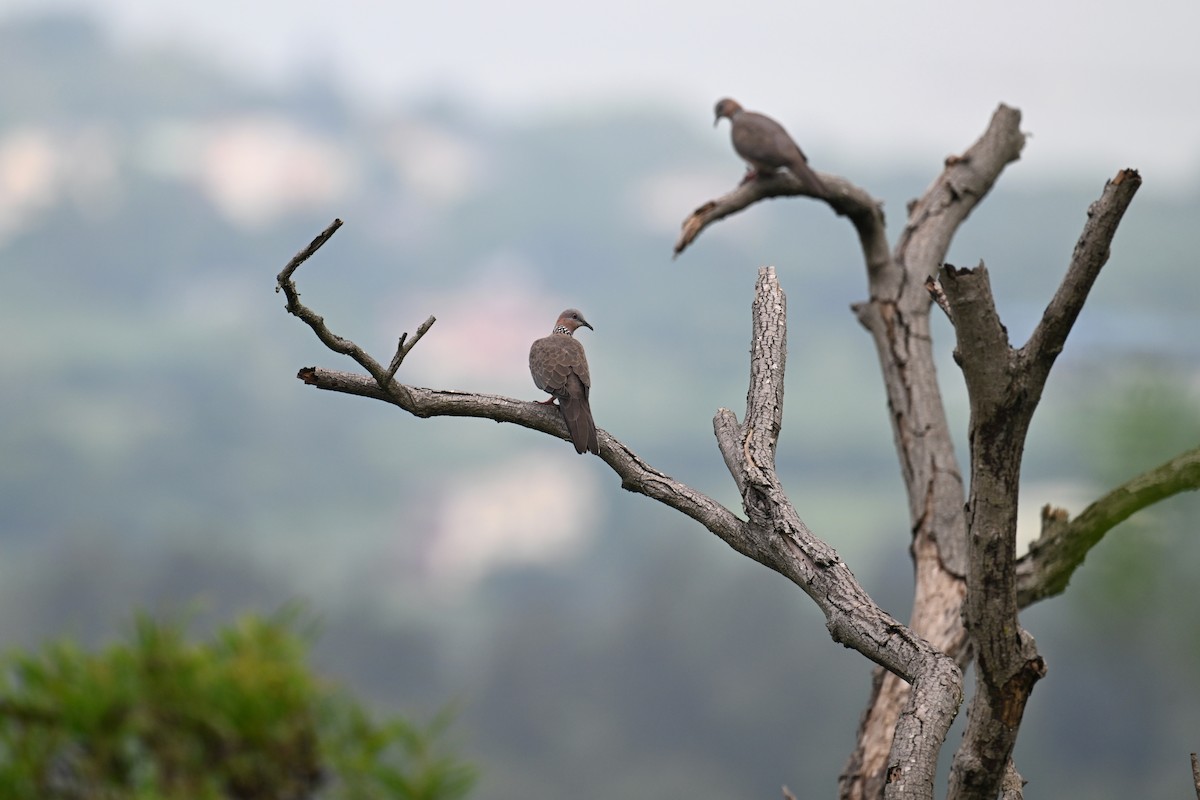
(1063, 544)
(749, 452)
(897, 317)
(285, 283)
(934, 219)
(405, 346)
(1091, 254)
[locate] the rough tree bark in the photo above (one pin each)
(1004, 386)
(965, 563)
(897, 317)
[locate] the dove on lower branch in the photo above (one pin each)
(559, 366)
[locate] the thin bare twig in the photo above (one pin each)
(284, 279)
(403, 349)
(294, 307)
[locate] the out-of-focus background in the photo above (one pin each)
(494, 163)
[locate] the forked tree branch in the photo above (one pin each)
(775, 536)
(898, 318)
(1004, 387)
(1007, 662)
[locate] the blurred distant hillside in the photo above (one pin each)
(158, 450)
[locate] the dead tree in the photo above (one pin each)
(970, 584)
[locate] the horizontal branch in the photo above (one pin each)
(776, 537)
(846, 200)
(802, 557)
(284, 282)
(636, 475)
(1064, 543)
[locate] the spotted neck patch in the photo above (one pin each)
(561, 329)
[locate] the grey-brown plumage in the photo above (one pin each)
(559, 366)
(765, 145)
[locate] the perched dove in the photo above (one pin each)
(559, 367)
(765, 145)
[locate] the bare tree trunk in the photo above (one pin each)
(897, 316)
(969, 584)
(1004, 386)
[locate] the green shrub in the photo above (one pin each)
(238, 716)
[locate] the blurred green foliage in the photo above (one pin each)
(155, 447)
(1136, 419)
(239, 715)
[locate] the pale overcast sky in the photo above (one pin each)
(1102, 83)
